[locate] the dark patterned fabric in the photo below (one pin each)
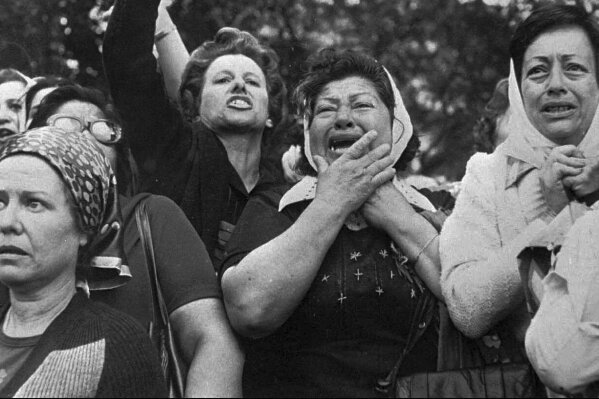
(92, 184)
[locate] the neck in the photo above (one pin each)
(31, 313)
(244, 152)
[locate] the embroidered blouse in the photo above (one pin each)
(353, 323)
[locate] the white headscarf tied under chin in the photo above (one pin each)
(401, 134)
(526, 143)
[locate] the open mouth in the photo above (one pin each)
(238, 102)
(556, 109)
(11, 250)
(5, 133)
(339, 144)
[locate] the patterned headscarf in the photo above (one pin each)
(92, 184)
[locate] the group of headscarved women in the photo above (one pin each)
(278, 288)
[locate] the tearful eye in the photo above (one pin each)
(223, 80)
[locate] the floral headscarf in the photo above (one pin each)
(92, 184)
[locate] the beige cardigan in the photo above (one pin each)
(498, 211)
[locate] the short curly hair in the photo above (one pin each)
(331, 64)
(232, 41)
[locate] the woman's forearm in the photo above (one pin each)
(418, 239)
(264, 289)
(172, 54)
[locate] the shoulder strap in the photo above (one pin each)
(420, 321)
(145, 234)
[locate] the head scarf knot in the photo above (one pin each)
(89, 178)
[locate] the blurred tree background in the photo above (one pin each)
(446, 55)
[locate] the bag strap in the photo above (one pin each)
(145, 235)
(419, 322)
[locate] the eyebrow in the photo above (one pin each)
(352, 96)
(561, 57)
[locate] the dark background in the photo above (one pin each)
(446, 55)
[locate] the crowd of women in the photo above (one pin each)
(320, 272)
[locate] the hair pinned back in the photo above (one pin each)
(232, 41)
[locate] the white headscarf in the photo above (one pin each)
(402, 131)
(526, 143)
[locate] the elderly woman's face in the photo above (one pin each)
(12, 109)
(559, 84)
(39, 237)
(344, 111)
(234, 95)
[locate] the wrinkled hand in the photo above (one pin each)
(563, 162)
(385, 202)
(353, 177)
(587, 181)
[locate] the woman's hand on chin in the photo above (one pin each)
(563, 162)
(385, 203)
(347, 182)
(587, 182)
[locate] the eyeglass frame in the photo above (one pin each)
(87, 125)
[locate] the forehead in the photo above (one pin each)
(29, 173)
(80, 109)
(348, 87)
(236, 63)
(566, 40)
(11, 90)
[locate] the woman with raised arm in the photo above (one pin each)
(208, 158)
(330, 275)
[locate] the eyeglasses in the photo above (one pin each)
(103, 130)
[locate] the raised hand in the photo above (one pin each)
(587, 181)
(563, 162)
(354, 176)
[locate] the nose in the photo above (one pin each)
(556, 84)
(239, 86)
(10, 222)
(344, 119)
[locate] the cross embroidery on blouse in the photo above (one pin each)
(341, 298)
(358, 274)
(379, 291)
(383, 253)
(325, 278)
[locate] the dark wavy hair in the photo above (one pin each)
(549, 17)
(42, 83)
(126, 172)
(331, 64)
(233, 41)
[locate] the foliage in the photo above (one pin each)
(446, 55)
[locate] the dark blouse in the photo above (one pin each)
(182, 161)
(353, 323)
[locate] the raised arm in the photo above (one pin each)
(264, 289)
(153, 125)
(172, 54)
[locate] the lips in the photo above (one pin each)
(5, 133)
(558, 109)
(11, 250)
(339, 143)
(239, 102)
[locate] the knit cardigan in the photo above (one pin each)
(499, 210)
(89, 350)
